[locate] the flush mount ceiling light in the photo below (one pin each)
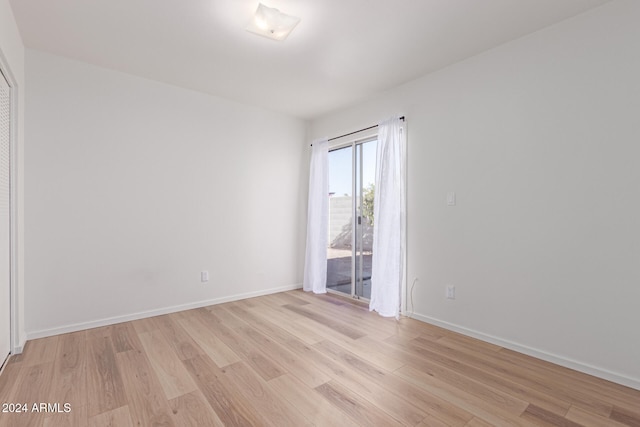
(272, 23)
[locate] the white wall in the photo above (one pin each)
(540, 138)
(12, 63)
(134, 187)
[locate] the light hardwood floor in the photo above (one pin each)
(297, 359)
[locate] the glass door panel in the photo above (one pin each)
(340, 248)
(365, 179)
(351, 191)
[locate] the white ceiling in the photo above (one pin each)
(343, 51)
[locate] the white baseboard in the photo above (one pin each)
(150, 313)
(549, 357)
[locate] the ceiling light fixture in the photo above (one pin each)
(272, 23)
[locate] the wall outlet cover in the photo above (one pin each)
(451, 292)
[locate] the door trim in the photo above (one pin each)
(14, 332)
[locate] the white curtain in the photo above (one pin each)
(389, 230)
(315, 263)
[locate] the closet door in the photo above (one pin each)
(5, 227)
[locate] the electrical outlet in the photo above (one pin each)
(451, 292)
(451, 198)
(204, 276)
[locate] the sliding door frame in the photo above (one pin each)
(356, 156)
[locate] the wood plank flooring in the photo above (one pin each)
(296, 359)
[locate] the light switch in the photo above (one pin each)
(451, 198)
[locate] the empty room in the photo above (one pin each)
(320, 213)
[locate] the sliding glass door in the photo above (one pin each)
(351, 191)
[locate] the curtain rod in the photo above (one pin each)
(357, 131)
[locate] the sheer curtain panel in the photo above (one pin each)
(389, 230)
(315, 263)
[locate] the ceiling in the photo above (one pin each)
(342, 51)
